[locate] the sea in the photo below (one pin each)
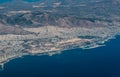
(97, 62)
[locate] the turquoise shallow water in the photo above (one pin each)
(98, 62)
(2, 1)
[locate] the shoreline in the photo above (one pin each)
(54, 52)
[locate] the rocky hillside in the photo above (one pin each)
(49, 26)
(62, 13)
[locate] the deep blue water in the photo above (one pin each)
(98, 62)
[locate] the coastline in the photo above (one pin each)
(52, 53)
